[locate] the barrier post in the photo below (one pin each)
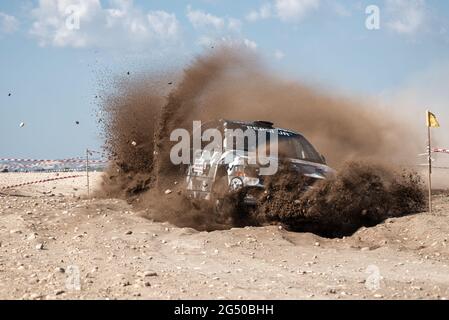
(87, 171)
(429, 149)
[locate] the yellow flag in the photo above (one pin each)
(432, 121)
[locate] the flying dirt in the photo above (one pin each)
(231, 83)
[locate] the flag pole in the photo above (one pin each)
(429, 147)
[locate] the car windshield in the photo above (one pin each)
(297, 147)
(290, 145)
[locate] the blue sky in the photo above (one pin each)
(53, 72)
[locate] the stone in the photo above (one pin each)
(32, 236)
(59, 292)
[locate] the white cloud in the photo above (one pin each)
(121, 24)
(407, 16)
(341, 9)
(250, 44)
(8, 24)
(234, 24)
(216, 30)
(201, 19)
(295, 10)
(163, 23)
(285, 10)
(264, 12)
(50, 17)
(207, 41)
(279, 55)
(204, 20)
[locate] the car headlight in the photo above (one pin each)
(236, 184)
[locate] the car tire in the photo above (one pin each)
(221, 203)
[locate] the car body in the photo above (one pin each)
(233, 169)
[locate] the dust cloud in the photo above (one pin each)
(233, 83)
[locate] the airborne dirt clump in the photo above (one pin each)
(233, 84)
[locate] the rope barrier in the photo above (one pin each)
(40, 181)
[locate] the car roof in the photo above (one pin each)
(256, 124)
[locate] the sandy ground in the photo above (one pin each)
(56, 244)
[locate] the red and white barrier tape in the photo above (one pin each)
(22, 170)
(439, 150)
(93, 151)
(39, 181)
(75, 160)
(36, 165)
(24, 166)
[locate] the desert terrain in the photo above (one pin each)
(57, 243)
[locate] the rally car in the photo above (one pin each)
(212, 174)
